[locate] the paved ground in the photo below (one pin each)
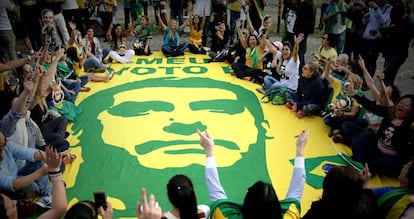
(405, 78)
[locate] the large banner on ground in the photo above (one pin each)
(138, 130)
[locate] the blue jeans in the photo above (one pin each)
(233, 17)
(40, 186)
(93, 63)
(174, 51)
(75, 86)
(340, 42)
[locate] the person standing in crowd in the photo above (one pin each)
(355, 14)
(30, 14)
(235, 11)
(176, 10)
(71, 13)
(127, 13)
(377, 17)
(19, 29)
(256, 11)
(83, 14)
(324, 5)
(334, 19)
(301, 21)
(157, 9)
(396, 40)
(7, 37)
(105, 12)
(144, 4)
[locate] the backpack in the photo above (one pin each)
(276, 96)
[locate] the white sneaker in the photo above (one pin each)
(44, 202)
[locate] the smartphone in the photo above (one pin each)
(100, 199)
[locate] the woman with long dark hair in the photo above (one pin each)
(392, 146)
(183, 198)
(345, 195)
(196, 32)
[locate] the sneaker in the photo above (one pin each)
(44, 202)
(300, 114)
(288, 105)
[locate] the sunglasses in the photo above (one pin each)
(28, 70)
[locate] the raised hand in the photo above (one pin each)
(72, 25)
(301, 141)
(207, 142)
(299, 38)
(53, 159)
(148, 210)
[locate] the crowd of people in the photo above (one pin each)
(39, 94)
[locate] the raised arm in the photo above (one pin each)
(203, 20)
(298, 40)
(298, 179)
(215, 189)
(242, 38)
(59, 201)
(186, 22)
(327, 71)
(369, 80)
(249, 24)
(72, 26)
(160, 20)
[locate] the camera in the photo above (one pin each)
(100, 199)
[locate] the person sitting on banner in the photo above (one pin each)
(196, 33)
(391, 146)
(288, 69)
(183, 198)
(309, 98)
(50, 171)
(172, 46)
(119, 52)
(260, 200)
(254, 46)
(143, 33)
(393, 201)
(219, 42)
(347, 191)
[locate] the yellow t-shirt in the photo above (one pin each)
(195, 36)
(325, 54)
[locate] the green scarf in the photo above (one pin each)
(254, 54)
